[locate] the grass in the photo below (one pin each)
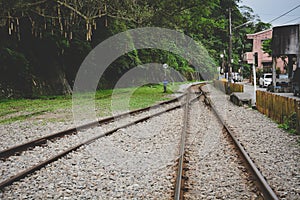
(12, 110)
(20, 109)
(20, 117)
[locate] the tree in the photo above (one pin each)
(74, 27)
(266, 46)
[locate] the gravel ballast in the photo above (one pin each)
(214, 168)
(139, 162)
(274, 151)
(20, 132)
(15, 164)
(135, 162)
(25, 131)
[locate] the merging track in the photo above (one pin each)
(41, 141)
(38, 153)
(210, 164)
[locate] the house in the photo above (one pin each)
(264, 60)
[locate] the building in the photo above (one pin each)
(264, 59)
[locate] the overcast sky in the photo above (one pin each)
(268, 10)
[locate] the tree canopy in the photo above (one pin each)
(43, 42)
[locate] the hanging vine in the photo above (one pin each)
(64, 15)
(49, 16)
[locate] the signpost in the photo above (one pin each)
(165, 82)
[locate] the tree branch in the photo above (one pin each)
(35, 3)
(71, 8)
(43, 15)
(123, 18)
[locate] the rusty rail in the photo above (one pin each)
(42, 140)
(74, 148)
(259, 179)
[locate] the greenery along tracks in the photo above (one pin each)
(41, 164)
(21, 109)
(42, 140)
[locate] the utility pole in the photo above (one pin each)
(254, 78)
(229, 47)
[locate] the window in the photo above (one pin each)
(268, 76)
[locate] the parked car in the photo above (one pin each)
(283, 76)
(265, 80)
(282, 80)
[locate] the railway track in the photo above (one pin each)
(212, 155)
(204, 172)
(4, 154)
(24, 150)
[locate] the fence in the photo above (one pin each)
(278, 107)
(223, 86)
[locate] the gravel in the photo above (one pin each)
(15, 164)
(21, 132)
(274, 151)
(214, 169)
(139, 162)
(136, 162)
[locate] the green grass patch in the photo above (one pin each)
(20, 117)
(7, 112)
(22, 109)
(148, 96)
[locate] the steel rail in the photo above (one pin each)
(42, 164)
(179, 181)
(42, 140)
(258, 179)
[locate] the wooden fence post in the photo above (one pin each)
(278, 107)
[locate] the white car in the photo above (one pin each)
(265, 80)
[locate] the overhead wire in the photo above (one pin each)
(292, 20)
(285, 13)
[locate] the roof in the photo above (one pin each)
(261, 33)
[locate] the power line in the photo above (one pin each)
(285, 13)
(292, 20)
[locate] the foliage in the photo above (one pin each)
(13, 64)
(290, 123)
(259, 73)
(266, 46)
(50, 39)
(247, 71)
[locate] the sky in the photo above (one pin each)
(268, 10)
